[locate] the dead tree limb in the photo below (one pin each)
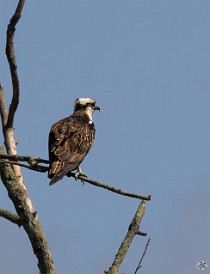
(132, 231)
(8, 215)
(33, 165)
(37, 168)
(10, 52)
(113, 189)
(11, 174)
(28, 218)
(142, 257)
(3, 107)
(32, 160)
(8, 116)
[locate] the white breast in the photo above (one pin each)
(89, 112)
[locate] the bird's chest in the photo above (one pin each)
(89, 133)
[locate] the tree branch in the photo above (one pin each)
(11, 174)
(140, 233)
(37, 168)
(8, 215)
(3, 107)
(32, 160)
(141, 260)
(33, 165)
(132, 231)
(28, 217)
(10, 52)
(8, 116)
(113, 189)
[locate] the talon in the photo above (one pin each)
(79, 173)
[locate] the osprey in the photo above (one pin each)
(70, 140)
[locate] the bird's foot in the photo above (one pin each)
(80, 173)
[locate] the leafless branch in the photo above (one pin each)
(8, 116)
(7, 128)
(12, 177)
(140, 233)
(28, 217)
(141, 260)
(10, 52)
(132, 231)
(113, 189)
(3, 107)
(32, 160)
(37, 168)
(10, 216)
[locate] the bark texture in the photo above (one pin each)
(29, 218)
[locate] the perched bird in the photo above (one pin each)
(70, 140)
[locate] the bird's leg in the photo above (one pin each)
(79, 173)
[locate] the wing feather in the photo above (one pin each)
(70, 140)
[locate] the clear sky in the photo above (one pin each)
(147, 63)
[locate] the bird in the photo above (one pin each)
(70, 140)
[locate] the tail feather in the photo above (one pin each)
(61, 173)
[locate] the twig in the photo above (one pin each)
(140, 233)
(113, 189)
(32, 160)
(144, 253)
(133, 229)
(10, 216)
(37, 168)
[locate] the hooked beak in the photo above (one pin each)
(97, 108)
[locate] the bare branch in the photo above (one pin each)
(32, 160)
(12, 177)
(8, 117)
(141, 260)
(37, 168)
(113, 189)
(10, 216)
(140, 233)
(10, 52)
(28, 216)
(3, 107)
(132, 230)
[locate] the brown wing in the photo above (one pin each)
(70, 140)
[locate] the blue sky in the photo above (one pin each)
(147, 64)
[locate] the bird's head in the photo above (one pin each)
(86, 104)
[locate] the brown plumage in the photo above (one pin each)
(70, 139)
